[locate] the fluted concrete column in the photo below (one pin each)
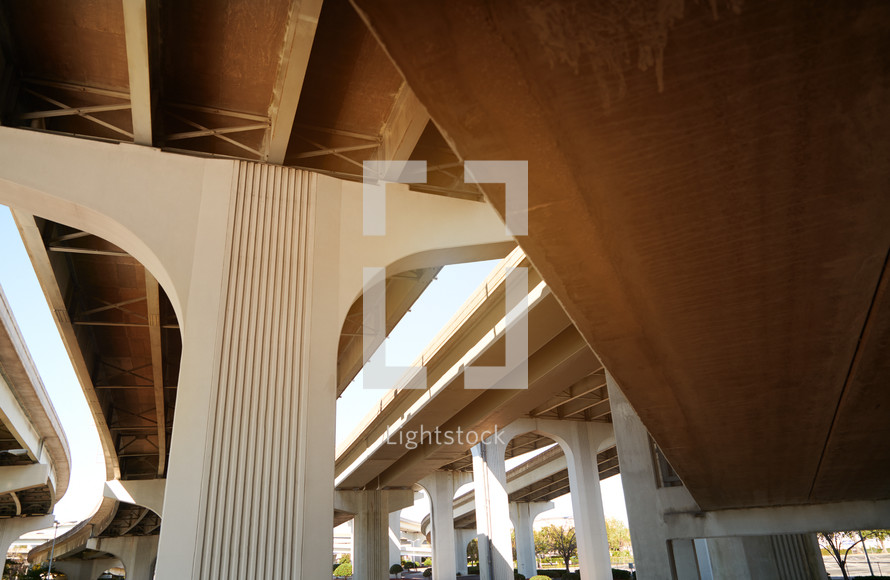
(462, 537)
(137, 553)
(777, 557)
(492, 510)
(252, 460)
(523, 515)
(440, 487)
(395, 535)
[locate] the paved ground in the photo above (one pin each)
(857, 566)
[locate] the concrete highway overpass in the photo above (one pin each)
(706, 203)
(34, 456)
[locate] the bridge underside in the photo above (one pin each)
(708, 201)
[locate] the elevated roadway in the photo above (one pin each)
(34, 456)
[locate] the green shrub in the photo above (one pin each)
(551, 573)
(540, 577)
(344, 559)
(343, 570)
(428, 573)
(428, 562)
(571, 576)
(473, 570)
(621, 574)
(395, 569)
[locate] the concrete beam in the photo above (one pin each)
(153, 305)
(854, 515)
(18, 477)
(350, 501)
(136, 33)
(299, 36)
(403, 128)
(148, 493)
(46, 276)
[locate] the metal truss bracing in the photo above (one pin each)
(123, 336)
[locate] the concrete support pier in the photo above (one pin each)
(492, 511)
(136, 553)
(655, 557)
(523, 515)
(395, 533)
(87, 569)
(440, 488)
(462, 537)
(12, 529)
(581, 443)
(663, 550)
(371, 528)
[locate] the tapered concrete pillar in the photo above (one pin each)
(778, 557)
(395, 535)
(523, 515)
(137, 553)
(492, 510)
(371, 561)
(462, 537)
(371, 536)
(581, 443)
(440, 487)
(652, 552)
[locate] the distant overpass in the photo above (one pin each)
(34, 456)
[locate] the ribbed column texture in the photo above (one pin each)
(254, 494)
(796, 556)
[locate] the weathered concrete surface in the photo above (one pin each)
(707, 198)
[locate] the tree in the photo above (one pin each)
(541, 545)
(618, 536)
(835, 543)
(473, 550)
(561, 541)
(880, 535)
(344, 570)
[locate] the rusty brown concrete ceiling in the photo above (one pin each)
(708, 199)
(113, 311)
(707, 182)
(217, 72)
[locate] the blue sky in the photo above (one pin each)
(435, 307)
(39, 331)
